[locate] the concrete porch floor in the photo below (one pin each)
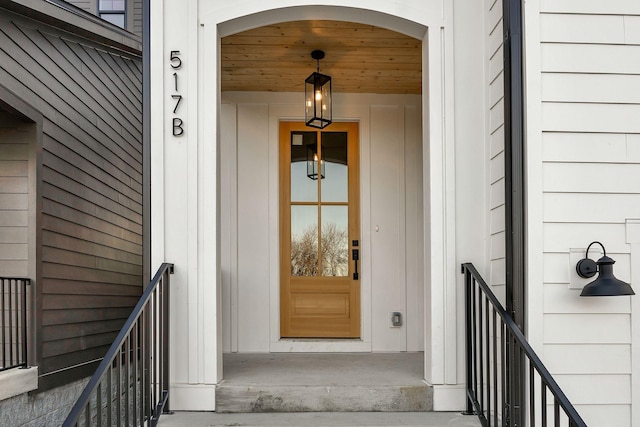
(295, 389)
(325, 369)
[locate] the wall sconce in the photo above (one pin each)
(317, 96)
(312, 163)
(606, 284)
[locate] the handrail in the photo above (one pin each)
(496, 349)
(13, 323)
(131, 384)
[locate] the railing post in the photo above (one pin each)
(467, 317)
(165, 336)
(25, 335)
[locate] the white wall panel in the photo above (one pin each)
(253, 226)
(394, 144)
(387, 218)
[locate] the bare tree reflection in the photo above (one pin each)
(334, 246)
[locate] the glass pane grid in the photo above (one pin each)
(319, 195)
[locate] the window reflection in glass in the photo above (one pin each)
(334, 155)
(334, 240)
(303, 189)
(304, 240)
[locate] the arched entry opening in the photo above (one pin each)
(256, 120)
(277, 297)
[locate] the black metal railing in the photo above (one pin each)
(13, 322)
(500, 364)
(131, 385)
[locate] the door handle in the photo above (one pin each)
(355, 255)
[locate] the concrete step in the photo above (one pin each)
(320, 419)
(319, 398)
(372, 382)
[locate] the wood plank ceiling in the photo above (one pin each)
(359, 58)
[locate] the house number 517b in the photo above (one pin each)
(177, 123)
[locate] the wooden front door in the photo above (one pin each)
(319, 231)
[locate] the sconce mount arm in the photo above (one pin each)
(586, 267)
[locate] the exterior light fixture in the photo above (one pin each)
(606, 283)
(312, 163)
(317, 96)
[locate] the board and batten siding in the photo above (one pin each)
(494, 41)
(590, 136)
(89, 189)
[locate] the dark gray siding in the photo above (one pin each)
(90, 189)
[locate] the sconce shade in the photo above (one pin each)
(317, 96)
(606, 284)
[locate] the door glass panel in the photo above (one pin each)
(304, 166)
(335, 184)
(304, 240)
(335, 241)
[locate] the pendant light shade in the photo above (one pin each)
(317, 96)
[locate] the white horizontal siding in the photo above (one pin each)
(590, 58)
(603, 7)
(588, 328)
(585, 147)
(591, 88)
(586, 358)
(590, 92)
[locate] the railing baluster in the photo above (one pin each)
(136, 367)
(532, 397)
(10, 316)
(503, 367)
(495, 368)
(543, 403)
(2, 313)
(132, 362)
(508, 364)
(488, 358)
(14, 327)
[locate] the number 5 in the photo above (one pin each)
(175, 61)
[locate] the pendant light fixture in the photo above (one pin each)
(317, 95)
